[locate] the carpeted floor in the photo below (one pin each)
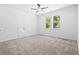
(38, 45)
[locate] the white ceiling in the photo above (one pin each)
(53, 7)
(27, 7)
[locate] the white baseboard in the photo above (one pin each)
(57, 37)
(12, 38)
(32, 35)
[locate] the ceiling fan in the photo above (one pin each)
(39, 8)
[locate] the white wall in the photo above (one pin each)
(78, 27)
(68, 23)
(15, 23)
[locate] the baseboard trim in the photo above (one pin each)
(34, 35)
(18, 38)
(56, 37)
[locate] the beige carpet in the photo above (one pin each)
(38, 45)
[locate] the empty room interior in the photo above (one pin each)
(38, 29)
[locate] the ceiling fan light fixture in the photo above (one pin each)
(39, 8)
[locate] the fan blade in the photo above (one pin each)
(42, 10)
(38, 5)
(44, 7)
(37, 11)
(33, 8)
